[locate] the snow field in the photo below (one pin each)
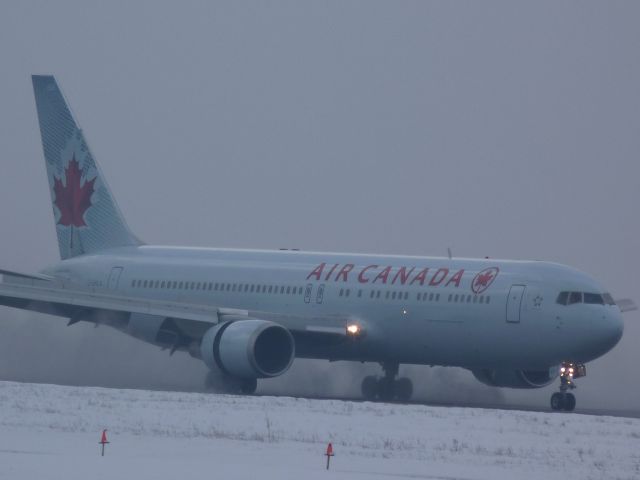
(49, 431)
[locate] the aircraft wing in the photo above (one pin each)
(190, 321)
(69, 303)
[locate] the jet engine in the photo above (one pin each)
(516, 378)
(248, 348)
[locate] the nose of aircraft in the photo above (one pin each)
(608, 330)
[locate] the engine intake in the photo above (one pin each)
(248, 348)
(516, 378)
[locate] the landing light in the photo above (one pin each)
(353, 330)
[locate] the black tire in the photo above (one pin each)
(248, 386)
(569, 402)
(557, 401)
(386, 389)
(369, 388)
(404, 389)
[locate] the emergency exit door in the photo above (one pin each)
(514, 303)
(114, 277)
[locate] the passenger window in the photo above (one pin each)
(378, 294)
(341, 292)
(393, 295)
(593, 298)
(575, 297)
(419, 296)
(347, 292)
(282, 289)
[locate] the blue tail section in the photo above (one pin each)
(87, 217)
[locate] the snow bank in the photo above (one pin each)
(49, 431)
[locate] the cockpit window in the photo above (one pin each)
(569, 298)
(562, 298)
(593, 298)
(575, 297)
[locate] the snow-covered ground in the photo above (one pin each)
(49, 431)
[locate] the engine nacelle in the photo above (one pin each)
(516, 378)
(248, 348)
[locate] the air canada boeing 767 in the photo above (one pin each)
(247, 314)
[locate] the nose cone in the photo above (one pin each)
(607, 332)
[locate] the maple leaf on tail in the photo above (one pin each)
(74, 199)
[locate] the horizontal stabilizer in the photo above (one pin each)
(626, 305)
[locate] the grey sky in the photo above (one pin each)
(507, 129)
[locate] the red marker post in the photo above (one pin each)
(103, 440)
(329, 454)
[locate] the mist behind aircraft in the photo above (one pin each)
(492, 129)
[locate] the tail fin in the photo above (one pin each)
(86, 215)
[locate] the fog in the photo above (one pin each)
(493, 128)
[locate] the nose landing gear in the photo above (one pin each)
(387, 388)
(565, 400)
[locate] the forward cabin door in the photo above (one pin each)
(514, 303)
(114, 277)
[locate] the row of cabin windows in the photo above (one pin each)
(431, 297)
(461, 298)
(216, 287)
(274, 289)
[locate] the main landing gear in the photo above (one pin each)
(387, 388)
(565, 400)
(220, 383)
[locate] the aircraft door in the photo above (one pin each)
(320, 294)
(514, 302)
(307, 293)
(114, 278)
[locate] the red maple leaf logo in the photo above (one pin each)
(73, 200)
(483, 279)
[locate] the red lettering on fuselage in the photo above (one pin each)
(361, 277)
(403, 275)
(316, 272)
(437, 281)
(456, 278)
(383, 275)
(344, 272)
(328, 275)
(420, 277)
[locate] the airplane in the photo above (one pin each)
(247, 314)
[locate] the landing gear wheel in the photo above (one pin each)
(216, 382)
(369, 388)
(248, 386)
(404, 389)
(557, 402)
(386, 390)
(569, 402)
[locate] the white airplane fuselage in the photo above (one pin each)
(418, 310)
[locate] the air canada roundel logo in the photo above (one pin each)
(484, 279)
